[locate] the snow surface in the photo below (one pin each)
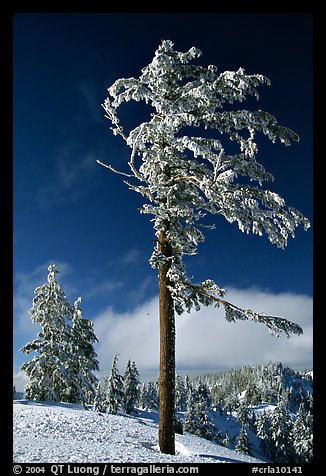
(68, 433)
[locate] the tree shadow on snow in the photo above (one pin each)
(221, 458)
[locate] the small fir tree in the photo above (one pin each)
(243, 443)
(83, 339)
(263, 425)
(131, 387)
(180, 394)
(302, 436)
(281, 433)
(115, 393)
(99, 405)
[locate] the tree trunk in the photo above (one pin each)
(167, 355)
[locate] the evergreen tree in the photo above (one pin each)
(196, 419)
(83, 360)
(47, 371)
(14, 395)
(142, 399)
(263, 425)
(242, 442)
(153, 396)
(226, 441)
(180, 394)
(204, 394)
(242, 413)
(131, 387)
(190, 423)
(302, 437)
(115, 392)
(99, 405)
(281, 426)
(204, 426)
(184, 177)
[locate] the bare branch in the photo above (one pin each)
(108, 166)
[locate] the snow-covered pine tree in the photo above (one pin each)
(153, 400)
(302, 437)
(131, 387)
(182, 177)
(99, 405)
(14, 393)
(190, 423)
(281, 433)
(115, 392)
(263, 431)
(47, 371)
(243, 413)
(142, 399)
(242, 442)
(226, 441)
(180, 394)
(83, 356)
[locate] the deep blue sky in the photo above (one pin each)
(69, 210)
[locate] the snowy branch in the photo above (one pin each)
(276, 325)
(183, 177)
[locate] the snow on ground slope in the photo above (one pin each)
(67, 433)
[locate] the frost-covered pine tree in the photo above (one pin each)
(115, 393)
(242, 442)
(226, 441)
(99, 405)
(302, 437)
(183, 173)
(48, 371)
(281, 433)
(131, 387)
(180, 394)
(83, 356)
(190, 424)
(263, 425)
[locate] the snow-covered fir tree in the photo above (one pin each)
(47, 371)
(99, 399)
(302, 436)
(83, 357)
(226, 440)
(14, 393)
(63, 368)
(196, 419)
(243, 413)
(263, 431)
(281, 434)
(115, 392)
(180, 394)
(131, 387)
(190, 423)
(242, 441)
(182, 177)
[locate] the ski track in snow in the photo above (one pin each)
(67, 433)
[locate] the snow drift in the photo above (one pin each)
(67, 433)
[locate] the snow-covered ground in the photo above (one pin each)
(67, 433)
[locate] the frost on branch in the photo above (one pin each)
(183, 177)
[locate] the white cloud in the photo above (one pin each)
(20, 379)
(204, 339)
